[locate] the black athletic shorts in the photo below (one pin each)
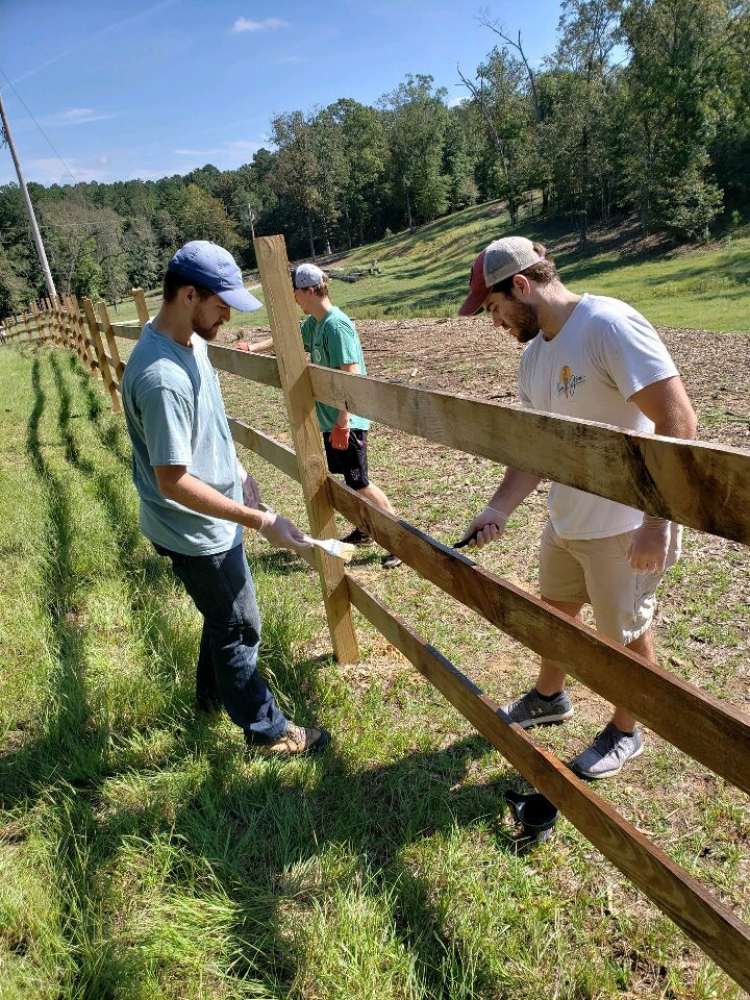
(352, 463)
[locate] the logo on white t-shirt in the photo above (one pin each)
(568, 382)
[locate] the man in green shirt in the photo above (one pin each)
(331, 339)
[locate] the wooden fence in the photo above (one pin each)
(705, 486)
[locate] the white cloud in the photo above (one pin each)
(74, 116)
(239, 148)
(455, 101)
(267, 24)
(49, 170)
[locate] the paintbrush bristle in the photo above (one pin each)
(346, 551)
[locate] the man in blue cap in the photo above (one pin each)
(196, 497)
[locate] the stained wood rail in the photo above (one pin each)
(705, 486)
(703, 727)
(710, 924)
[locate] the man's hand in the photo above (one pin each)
(340, 437)
(485, 528)
(649, 545)
(251, 492)
(282, 533)
(259, 347)
(250, 488)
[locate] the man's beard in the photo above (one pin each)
(525, 322)
(201, 327)
(206, 333)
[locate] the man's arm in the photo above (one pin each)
(340, 431)
(259, 347)
(512, 491)
(176, 483)
(666, 404)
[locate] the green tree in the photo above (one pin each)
(674, 81)
(416, 120)
(203, 217)
(295, 171)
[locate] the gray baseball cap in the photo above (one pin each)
(308, 276)
(501, 259)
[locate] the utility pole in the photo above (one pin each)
(5, 136)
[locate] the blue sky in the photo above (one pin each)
(150, 88)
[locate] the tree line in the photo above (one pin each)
(642, 107)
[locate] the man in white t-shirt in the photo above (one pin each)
(593, 358)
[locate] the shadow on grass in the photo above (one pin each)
(73, 744)
(253, 824)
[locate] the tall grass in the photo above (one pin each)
(143, 855)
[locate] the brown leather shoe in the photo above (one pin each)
(296, 740)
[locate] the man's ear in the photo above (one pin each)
(189, 295)
(521, 285)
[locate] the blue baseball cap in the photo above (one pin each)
(208, 264)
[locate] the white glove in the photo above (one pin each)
(649, 545)
(282, 533)
(486, 527)
(250, 488)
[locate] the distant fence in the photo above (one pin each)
(705, 486)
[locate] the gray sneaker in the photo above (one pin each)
(609, 751)
(532, 710)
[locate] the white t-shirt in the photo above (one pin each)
(604, 354)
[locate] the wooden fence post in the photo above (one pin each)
(35, 315)
(140, 305)
(86, 342)
(60, 318)
(270, 252)
(71, 332)
(88, 308)
(111, 342)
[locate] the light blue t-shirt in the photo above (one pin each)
(175, 416)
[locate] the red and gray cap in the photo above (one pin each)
(501, 259)
(308, 276)
(212, 266)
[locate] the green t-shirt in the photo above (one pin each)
(333, 342)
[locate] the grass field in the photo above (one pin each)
(143, 856)
(427, 274)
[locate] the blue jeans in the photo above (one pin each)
(222, 589)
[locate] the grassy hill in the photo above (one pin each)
(427, 273)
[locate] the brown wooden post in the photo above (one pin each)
(72, 339)
(37, 321)
(51, 332)
(270, 252)
(86, 343)
(59, 319)
(140, 305)
(111, 342)
(88, 308)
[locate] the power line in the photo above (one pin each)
(49, 141)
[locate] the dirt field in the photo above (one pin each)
(468, 356)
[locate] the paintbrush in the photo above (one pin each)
(333, 546)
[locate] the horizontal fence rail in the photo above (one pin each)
(710, 924)
(705, 486)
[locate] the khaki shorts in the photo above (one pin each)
(595, 571)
